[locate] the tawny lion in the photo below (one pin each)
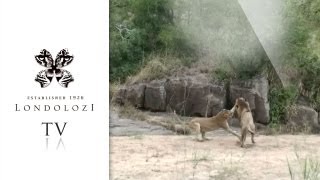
(203, 125)
(246, 120)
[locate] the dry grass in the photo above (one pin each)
(157, 67)
(172, 121)
(306, 167)
(113, 89)
(131, 112)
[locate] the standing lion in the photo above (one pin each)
(246, 120)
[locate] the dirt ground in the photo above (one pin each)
(181, 157)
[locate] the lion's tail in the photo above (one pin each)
(178, 128)
(251, 131)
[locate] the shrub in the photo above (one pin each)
(157, 67)
(302, 40)
(281, 99)
(139, 28)
(242, 69)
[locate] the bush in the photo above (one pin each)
(302, 40)
(139, 28)
(281, 100)
(242, 69)
(157, 67)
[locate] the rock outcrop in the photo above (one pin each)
(205, 99)
(303, 116)
(155, 96)
(133, 94)
(190, 96)
(176, 90)
(255, 91)
(196, 96)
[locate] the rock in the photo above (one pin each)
(301, 116)
(255, 91)
(120, 96)
(128, 127)
(194, 96)
(134, 94)
(234, 122)
(205, 99)
(260, 126)
(155, 96)
(176, 93)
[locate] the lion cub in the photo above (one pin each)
(203, 125)
(246, 120)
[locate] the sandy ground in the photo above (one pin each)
(181, 157)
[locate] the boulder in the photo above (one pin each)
(255, 91)
(301, 116)
(120, 96)
(155, 96)
(192, 96)
(133, 94)
(176, 93)
(204, 99)
(234, 122)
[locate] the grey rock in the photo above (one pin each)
(133, 94)
(205, 99)
(194, 96)
(128, 127)
(176, 93)
(255, 91)
(260, 126)
(234, 122)
(120, 96)
(302, 116)
(155, 96)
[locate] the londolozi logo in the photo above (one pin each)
(45, 59)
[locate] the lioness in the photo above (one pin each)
(203, 125)
(246, 120)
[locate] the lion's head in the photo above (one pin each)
(241, 105)
(225, 114)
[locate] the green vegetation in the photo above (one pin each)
(139, 28)
(242, 69)
(281, 99)
(210, 33)
(301, 61)
(303, 40)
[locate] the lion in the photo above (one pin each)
(244, 114)
(203, 125)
